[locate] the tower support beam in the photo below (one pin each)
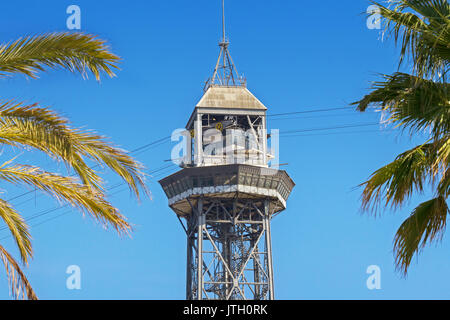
(230, 239)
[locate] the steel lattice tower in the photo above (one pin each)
(226, 195)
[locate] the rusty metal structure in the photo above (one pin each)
(226, 192)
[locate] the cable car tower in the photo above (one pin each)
(226, 193)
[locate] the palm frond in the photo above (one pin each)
(18, 228)
(426, 224)
(46, 131)
(418, 102)
(19, 285)
(394, 183)
(412, 103)
(76, 52)
(423, 29)
(68, 190)
(97, 148)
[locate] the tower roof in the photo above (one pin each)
(227, 100)
(230, 97)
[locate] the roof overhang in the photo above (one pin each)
(236, 100)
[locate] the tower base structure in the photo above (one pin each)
(226, 212)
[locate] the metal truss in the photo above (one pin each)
(225, 72)
(229, 253)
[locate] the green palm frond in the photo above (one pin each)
(423, 28)
(68, 190)
(28, 125)
(418, 102)
(76, 52)
(426, 224)
(46, 131)
(412, 103)
(443, 188)
(18, 228)
(19, 285)
(394, 183)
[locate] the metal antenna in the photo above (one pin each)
(225, 72)
(223, 20)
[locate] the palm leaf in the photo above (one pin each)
(20, 287)
(412, 103)
(426, 224)
(46, 131)
(392, 184)
(76, 52)
(68, 190)
(424, 32)
(418, 102)
(18, 228)
(24, 125)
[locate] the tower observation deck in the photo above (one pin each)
(226, 193)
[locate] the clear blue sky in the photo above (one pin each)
(296, 56)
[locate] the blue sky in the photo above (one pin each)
(296, 56)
